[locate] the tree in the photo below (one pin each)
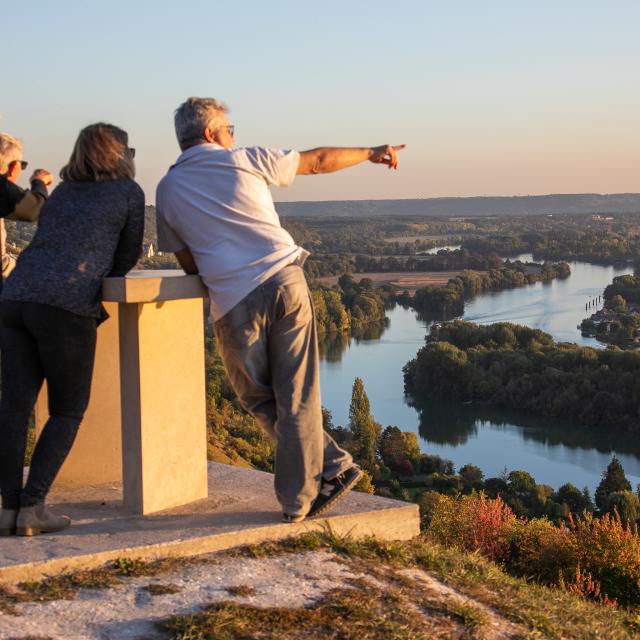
(613, 480)
(626, 503)
(471, 476)
(617, 304)
(364, 436)
(575, 500)
(524, 497)
(397, 446)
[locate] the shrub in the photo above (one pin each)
(474, 522)
(610, 551)
(584, 585)
(541, 550)
(601, 556)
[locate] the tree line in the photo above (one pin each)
(522, 368)
(448, 301)
(350, 305)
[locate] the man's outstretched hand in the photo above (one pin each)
(386, 154)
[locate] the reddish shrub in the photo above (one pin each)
(474, 522)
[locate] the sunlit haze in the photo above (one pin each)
(491, 98)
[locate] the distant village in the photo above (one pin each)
(619, 325)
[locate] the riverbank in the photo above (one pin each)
(553, 451)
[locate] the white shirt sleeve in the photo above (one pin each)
(278, 166)
(168, 239)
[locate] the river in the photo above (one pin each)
(493, 439)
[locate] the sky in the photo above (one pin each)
(491, 98)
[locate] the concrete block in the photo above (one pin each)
(241, 509)
(164, 405)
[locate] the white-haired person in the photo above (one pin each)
(90, 227)
(17, 203)
(216, 213)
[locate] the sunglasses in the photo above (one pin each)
(23, 164)
(231, 128)
(132, 152)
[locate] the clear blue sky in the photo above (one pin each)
(492, 97)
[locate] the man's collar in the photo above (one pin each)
(195, 149)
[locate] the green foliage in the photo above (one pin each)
(449, 300)
(613, 480)
(619, 321)
(349, 305)
(397, 447)
(471, 477)
(362, 427)
(231, 429)
(523, 368)
(572, 499)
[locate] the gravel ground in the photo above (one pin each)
(128, 611)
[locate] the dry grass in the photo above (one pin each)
(157, 589)
(401, 279)
(361, 611)
(241, 591)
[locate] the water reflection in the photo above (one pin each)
(442, 422)
(333, 345)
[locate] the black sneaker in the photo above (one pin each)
(334, 490)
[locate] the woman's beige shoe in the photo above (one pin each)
(38, 519)
(8, 522)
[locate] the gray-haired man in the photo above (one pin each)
(216, 213)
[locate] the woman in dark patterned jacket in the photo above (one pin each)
(90, 228)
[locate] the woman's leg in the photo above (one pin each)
(66, 345)
(22, 377)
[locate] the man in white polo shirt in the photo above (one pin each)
(216, 213)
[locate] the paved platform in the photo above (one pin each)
(241, 509)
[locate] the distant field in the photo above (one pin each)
(401, 279)
(414, 238)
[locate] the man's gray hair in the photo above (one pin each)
(10, 150)
(195, 115)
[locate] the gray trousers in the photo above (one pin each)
(269, 347)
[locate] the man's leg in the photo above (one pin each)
(241, 338)
(268, 346)
(307, 453)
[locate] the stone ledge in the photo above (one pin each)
(153, 285)
(241, 509)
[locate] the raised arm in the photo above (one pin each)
(328, 159)
(19, 204)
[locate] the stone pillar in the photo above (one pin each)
(96, 456)
(146, 420)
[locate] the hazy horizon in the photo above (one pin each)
(493, 99)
